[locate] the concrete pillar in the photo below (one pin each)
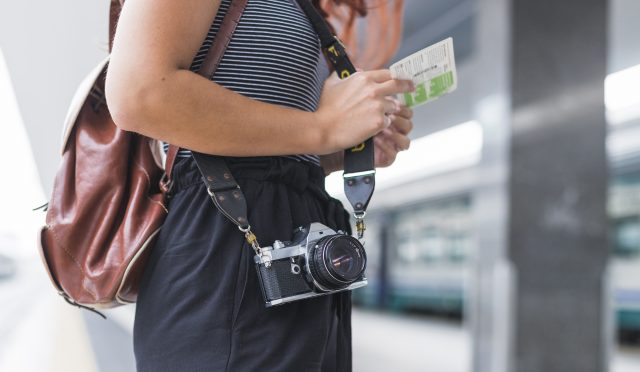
(491, 292)
(540, 295)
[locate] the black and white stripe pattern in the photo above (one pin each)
(274, 56)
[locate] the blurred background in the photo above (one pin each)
(506, 239)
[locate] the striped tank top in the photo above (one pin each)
(272, 36)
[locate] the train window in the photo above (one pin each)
(626, 236)
(436, 232)
(459, 245)
(624, 212)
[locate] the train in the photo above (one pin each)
(427, 228)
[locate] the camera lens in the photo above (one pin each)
(337, 261)
(343, 260)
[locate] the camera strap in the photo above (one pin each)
(221, 186)
(359, 167)
(359, 170)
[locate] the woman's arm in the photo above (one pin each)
(150, 90)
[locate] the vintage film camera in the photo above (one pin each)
(317, 262)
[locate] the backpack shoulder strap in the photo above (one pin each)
(212, 60)
(114, 13)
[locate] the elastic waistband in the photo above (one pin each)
(300, 175)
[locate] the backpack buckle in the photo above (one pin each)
(166, 184)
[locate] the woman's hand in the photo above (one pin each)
(390, 141)
(358, 107)
(387, 144)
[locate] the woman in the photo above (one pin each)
(200, 307)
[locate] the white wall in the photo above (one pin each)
(49, 45)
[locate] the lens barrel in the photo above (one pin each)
(336, 261)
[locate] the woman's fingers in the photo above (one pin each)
(401, 141)
(378, 76)
(385, 154)
(383, 83)
(401, 124)
(404, 111)
(394, 86)
(387, 145)
(390, 106)
(398, 140)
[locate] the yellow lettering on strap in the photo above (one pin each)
(358, 148)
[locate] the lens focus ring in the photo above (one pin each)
(336, 261)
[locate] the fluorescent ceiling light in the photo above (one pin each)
(22, 190)
(450, 149)
(622, 95)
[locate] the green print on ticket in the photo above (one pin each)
(437, 87)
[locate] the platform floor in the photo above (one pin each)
(40, 333)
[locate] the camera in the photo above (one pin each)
(318, 261)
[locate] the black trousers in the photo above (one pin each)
(200, 307)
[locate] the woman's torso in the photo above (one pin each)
(274, 56)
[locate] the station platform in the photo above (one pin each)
(41, 333)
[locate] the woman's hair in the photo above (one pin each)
(373, 41)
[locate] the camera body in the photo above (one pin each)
(319, 261)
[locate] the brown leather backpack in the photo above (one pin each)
(109, 194)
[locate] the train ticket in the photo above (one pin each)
(432, 70)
